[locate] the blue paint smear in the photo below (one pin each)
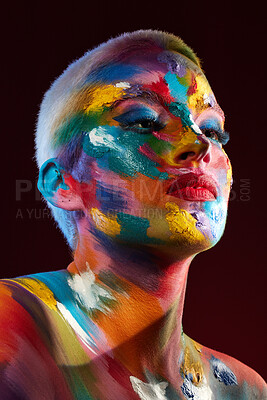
(188, 389)
(113, 72)
(110, 201)
(177, 90)
(211, 123)
(135, 114)
(216, 214)
(57, 282)
(222, 372)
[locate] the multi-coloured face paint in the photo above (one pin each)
(139, 135)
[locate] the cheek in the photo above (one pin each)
(148, 192)
(222, 169)
(118, 151)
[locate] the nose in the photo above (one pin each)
(190, 153)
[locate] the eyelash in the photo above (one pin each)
(220, 136)
(155, 125)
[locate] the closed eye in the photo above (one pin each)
(218, 135)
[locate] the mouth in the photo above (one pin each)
(193, 187)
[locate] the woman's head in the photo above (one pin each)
(136, 137)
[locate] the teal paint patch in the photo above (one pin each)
(100, 141)
(134, 161)
(181, 111)
(52, 180)
(91, 150)
(114, 148)
(134, 229)
(177, 90)
(119, 151)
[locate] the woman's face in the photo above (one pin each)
(152, 155)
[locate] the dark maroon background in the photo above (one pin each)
(226, 290)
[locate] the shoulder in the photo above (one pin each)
(26, 362)
(233, 378)
(30, 298)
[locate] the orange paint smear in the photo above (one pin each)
(135, 314)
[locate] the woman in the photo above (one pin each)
(130, 148)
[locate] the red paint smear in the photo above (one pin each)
(118, 372)
(18, 328)
(193, 87)
(146, 150)
(160, 87)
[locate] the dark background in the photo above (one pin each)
(224, 306)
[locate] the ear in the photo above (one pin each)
(58, 187)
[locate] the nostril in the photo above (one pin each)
(186, 154)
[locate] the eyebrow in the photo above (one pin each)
(136, 92)
(148, 95)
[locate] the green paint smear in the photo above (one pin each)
(75, 377)
(113, 282)
(134, 229)
(159, 146)
(75, 125)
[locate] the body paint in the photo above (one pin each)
(222, 372)
(182, 224)
(123, 313)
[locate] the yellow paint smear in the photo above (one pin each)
(192, 364)
(40, 290)
(196, 100)
(182, 223)
(103, 95)
(184, 138)
(108, 225)
(66, 346)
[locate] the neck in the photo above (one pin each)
(143, 292)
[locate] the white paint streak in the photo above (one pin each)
(149, 391)
(199, 392)
(75, 326)
(88, 292)
(124, 85)
(194, 126)
(99, 136)
(206, 98)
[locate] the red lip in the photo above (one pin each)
(193, 187)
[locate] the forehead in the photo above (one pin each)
(140, 63)
(157, 77)
(168, 75)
